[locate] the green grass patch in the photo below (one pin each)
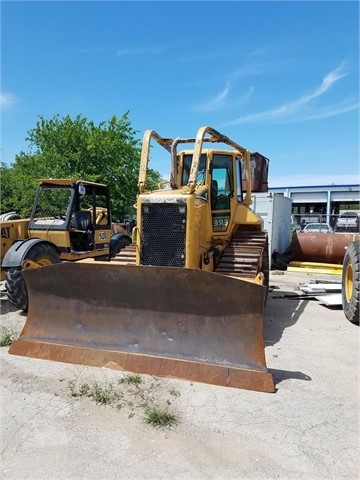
(148, 398)
(105, 395)
(174, 393)
(7, 336)
(131, 379)
(160, 418)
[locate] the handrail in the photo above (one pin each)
(171, 146)
(145, 151)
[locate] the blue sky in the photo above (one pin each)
(280, 78)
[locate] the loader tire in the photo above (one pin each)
(41, 253)
(350, 282)
(117, 243)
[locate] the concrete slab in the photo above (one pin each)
(308, 429)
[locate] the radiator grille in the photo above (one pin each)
(163, 229)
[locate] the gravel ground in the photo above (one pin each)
(308, 429)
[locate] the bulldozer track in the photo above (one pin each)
(126, 256)
(245, 256)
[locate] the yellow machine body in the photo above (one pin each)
(186, 298)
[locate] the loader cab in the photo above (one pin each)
(74, 215)
(90, 222)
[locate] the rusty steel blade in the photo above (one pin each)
(173, 322)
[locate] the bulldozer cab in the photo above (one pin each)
(216, 171)
(206, 200)
(74, 215)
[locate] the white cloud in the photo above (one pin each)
(329, 111)
(220, 100)
(301, 109)
(217, 101)
(7, 100)
(125, 51)
(287, 113)
(251, 69)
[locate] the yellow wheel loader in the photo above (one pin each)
(70, 220)
(350, 291)
(186, 298)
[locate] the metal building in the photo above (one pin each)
(321, 203)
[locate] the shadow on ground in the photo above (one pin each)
(282, 310)
(280, 375)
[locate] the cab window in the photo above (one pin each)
(187, 161)
(222, 189)
(221, 182)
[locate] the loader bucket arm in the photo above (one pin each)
(171, 322)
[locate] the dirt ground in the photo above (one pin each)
(308, 429)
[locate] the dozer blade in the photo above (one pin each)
(171, 322)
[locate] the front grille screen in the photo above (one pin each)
(163, 229)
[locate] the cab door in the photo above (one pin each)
(221, 191)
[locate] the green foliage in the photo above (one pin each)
(131, 379)
(77, 148)
(104, 395)
(17, 190)
(160, 418)
(72, 388)
(349, 206)
(174, 392)
(7, 336)
(84, 389)
(133, 394)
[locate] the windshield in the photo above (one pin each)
(52, 206)
(187, 161)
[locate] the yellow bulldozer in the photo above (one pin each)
(186, 299)
(70, 221)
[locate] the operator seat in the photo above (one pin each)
(81, 220)
(83, 240)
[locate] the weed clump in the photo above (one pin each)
(131, 379)
(160, 418)
(7, 336)
(105, 395)
(141, 398)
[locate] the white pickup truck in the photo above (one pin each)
(347, 222)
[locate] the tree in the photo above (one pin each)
(65, 148)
